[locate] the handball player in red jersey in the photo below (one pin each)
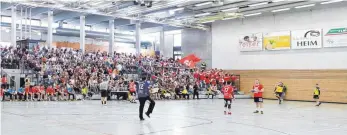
(258, 90)
(228, 95)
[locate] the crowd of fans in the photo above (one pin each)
(60, 74)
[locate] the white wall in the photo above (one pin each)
(226, 54)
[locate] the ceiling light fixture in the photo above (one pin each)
(277, 1)
(208, 21)
(229, 18)
(203, 4)
(258, 4)
(310, 5)
(332, 1)
(203, 14)
(177, 9)
(279, 10)
(253, 14)
(230, 9)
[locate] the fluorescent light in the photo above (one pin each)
(39, 33)
(177, 9)
(230, 9)
(258, 4)
(208, 21)
(277, 1)
(310, 5)
(252, 14)
(229, 18)
(7, 30)
(279, 10)
(203, 4)
(203, 14)
(332, 1)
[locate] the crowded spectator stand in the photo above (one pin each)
(70, 73)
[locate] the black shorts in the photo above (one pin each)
(226, 100)
(315, 96)
(104, 93)
(258, 99)
(133, 93)
(279, 94)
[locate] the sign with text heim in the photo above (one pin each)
(277, 40)
(251, 42)
(307, 39)
(335, 37)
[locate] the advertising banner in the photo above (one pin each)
(277, 40)
(335, 37)
(307, 39)
(251, 42)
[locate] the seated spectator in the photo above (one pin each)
(8, 92)
(20, 94)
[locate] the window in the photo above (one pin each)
(178, 40)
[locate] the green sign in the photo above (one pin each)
(337, 31)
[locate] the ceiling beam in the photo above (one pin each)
(66, 15)
(38, 10)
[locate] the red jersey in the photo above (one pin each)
(259, 87)
(228, 92)
(132, 87)
(233, 78)
(196, 75)
(202, 76)
(42, 89)
(35, 89)
(4, 80)
(227, 78)
(50, 90)
(213, 81)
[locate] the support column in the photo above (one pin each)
(30, 23)
(50, 29)
(13, 26)
(138, 38)
(162, 42)
(82, 33)
(111, 40)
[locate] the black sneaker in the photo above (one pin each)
(148, 115)
(256, 111)
(261, 112)
(142, 119)
(319, 104)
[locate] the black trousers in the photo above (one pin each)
(196, 94)
(142, 105)
(73, 96)
(7, 94)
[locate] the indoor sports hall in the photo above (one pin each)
(173, 67)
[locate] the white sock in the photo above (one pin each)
(225, 109)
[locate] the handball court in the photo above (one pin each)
(184, 117)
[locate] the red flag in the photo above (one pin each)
(190, 60)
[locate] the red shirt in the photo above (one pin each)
(4, 80)
(50, 90)
(233, 78)
(202, 76)
(228, 91)
(259, 87)
(213, 81)
(42, 89)
(227, 78)
(196, 75)
(132, 87)
(35, 89)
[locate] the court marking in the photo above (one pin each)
(64, 124)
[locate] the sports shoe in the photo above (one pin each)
(256, 111)
(229, 113)
(148, 114)
(225, 112)
(142, 119)
(261, 112)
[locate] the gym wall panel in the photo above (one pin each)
(300, 83)
(225, 41)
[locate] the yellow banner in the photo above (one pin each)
(276, 42)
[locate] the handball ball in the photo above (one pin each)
(253, 91)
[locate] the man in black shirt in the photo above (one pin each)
(196, 91)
